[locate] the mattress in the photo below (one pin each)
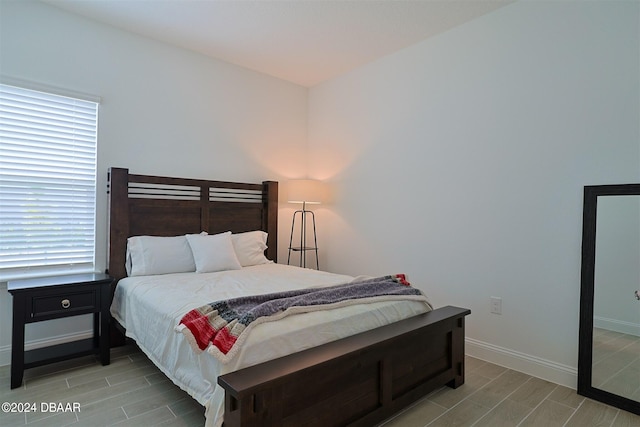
(150, 307)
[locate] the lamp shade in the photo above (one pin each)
(305, 191)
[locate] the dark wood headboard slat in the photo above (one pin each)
(193, 182)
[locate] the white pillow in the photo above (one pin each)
(250, 247)
(147, 255)
(213, 253)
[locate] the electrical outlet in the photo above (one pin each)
(496, 305)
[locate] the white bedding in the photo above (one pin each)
(150, 307)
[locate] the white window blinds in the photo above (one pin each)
(47, 183)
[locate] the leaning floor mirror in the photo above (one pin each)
(609, 341)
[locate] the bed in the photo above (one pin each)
(352, 365)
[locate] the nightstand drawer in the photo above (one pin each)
(64, 302)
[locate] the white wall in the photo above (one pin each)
(164, 111)
(461, 161)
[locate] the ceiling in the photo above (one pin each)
(301, 41)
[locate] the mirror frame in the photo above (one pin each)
(585, 344)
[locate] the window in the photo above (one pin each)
(47, 182)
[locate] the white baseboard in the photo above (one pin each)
(531, 365)
(5, 351)
(617, 326)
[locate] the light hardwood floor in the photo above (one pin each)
(616, 363)
(133, 392)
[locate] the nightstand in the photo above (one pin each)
(46, 298)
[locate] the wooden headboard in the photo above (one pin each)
(162, 206)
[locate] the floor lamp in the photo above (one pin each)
(305, 191)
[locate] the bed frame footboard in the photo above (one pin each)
(357, 381)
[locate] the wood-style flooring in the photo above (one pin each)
(616, 363)
(131, 391)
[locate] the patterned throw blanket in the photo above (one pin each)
(221, 327)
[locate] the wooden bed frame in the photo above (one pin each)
(359, 380)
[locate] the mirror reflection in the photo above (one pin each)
(616, 310)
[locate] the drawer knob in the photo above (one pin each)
(66, 303)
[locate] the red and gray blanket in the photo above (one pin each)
(221, 327)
